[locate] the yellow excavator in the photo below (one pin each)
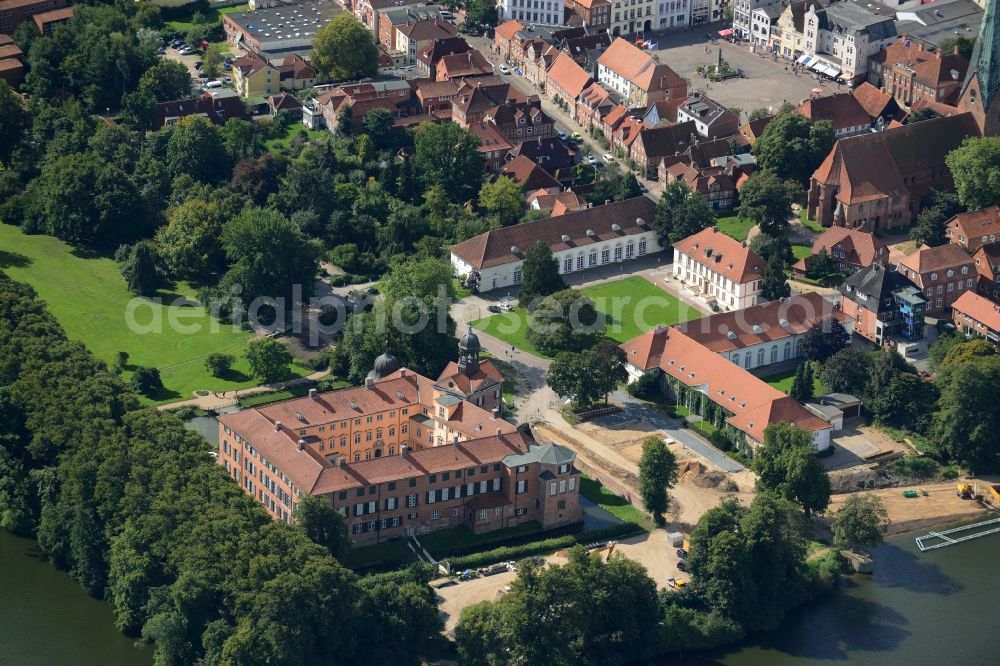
(965, 490)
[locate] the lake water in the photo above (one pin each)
(46, 619)
(937, 607)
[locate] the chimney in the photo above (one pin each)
(456, 438)
(277, 426)
(313, 394)
(402, 451)
(607, 201)
(369, 383)
(341, 462)
(498, 432)
(496, 411)
(302, 444)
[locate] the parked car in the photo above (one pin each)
(504, 69)
(590, 159)
(495, 309)
(505, 306)
(228, 66)
(228, 81)
(562, 135)
(198, 64)
(681, 553)
(682, 566)
(608, 158)
(467, 575)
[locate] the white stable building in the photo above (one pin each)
(719, 269)
(615, 233)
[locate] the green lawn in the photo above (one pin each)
(783, 382)
(185, 23)
(812, 225)
(296, 391)
(294, 130)
(734, 227)
(616, 505)
(388, 555)
(87, 295)
(801, 251)
(631, 306)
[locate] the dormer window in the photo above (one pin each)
(934, 276)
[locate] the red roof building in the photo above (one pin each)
(852, 249)
(942, 273)
(719, 269)
(974, 315)
(910, 72)
(975, 228)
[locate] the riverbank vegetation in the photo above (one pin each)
(129, 502)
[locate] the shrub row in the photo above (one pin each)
(420, 571)
(519, 552)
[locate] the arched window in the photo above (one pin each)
(630, 250)
(579, 262)
(642, 246)
(774, 353)
(798, 347)
(788, 351)
(592, 258)
(746, 360)
(760, 356)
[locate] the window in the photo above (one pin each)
(572, 483)
(444, 494)
(553, 487)
(431, 496)
(372, 507)
(630, 250)
(760, 356)
(357, 528)
(605, 255)
(498, 511)
(411, 501)
(455, 513)
(359, 509)
(484, 514)
(496, 483)
(618, 253)
(435, 515)
(592, 258)
(568, 265)
(517, 276)
(522, 486)
(774, 354)
(642, 246)
(470, 489)
(746, 360)
(562, 486)
(483, 487)
(391, 504)
(579, 263)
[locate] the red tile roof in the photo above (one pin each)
(526, 173)
(935, 259)
(569, 76)
(860, 247)
(508, 30)
(871, 99)
(976, 225)
(638, 67)
(768, 322)
(843, 110)
(723, 255)
(981, 309)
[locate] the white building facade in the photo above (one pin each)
(630, 17)
(541, 12)
(673, 14)
(727, 293)
(719, 269)
(742, 10)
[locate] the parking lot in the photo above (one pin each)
(767, 83)
(189, 61)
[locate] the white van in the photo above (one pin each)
(446, 15)
(213, 84)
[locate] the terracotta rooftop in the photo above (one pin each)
(723, 255)
(566, 74)
(871, 99)
(976, 225)
(981, 309)
(930, 68)
(638, 67)
(860, 247)
(934, 259)
(768, 322)
(508, 244)
(526, 173)
(843, 110)
(509, 29)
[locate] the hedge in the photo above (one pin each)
(415, 571)
(507, 553)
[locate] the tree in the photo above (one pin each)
(14, 120)
(968, 351)
(239, 138)
(920, 115)
(343, 49)
(481, 12)
(139, 269)
(846, 371)
(195, 148)
(146, 381)
(775, 284)
(822, 266)
(860, 522)
(121, 361)
(427, 279)
(378, 125)
(614, 184)
(570, 375)
(767, 200)
(212, 61)
(447, 155)
(657, 474)
(680, 213)
(929, 228)
(609, 361)
(792, 146)
(966, 426)
(345, 120)
(539, 275)
(962, 44)
(268, 359)
(759, 113)
(824, 339)
(501, 199)
(565, 321)
(269, 257)
(257, 178)
(906, 401)
(786, 463)
(190, 244)
(975, 167)
(802, 385)
(219, 364)
(322, 523)
(166, 80)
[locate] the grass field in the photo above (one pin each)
(783, 382)
(616, 505)
(801, 251)
(294, 130)
(209, 16)
(811, 225)
(631, 306)
(88, 296)
(735, 227)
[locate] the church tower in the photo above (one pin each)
(982, 82)
(468, 353)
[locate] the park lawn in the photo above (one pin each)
(631, 307)
(801, 251)
(88, 297)
(811, 225)
(783, 382)
(616, 505)
(184, 22)
(734, 227)
(294, 130)
(442, 543)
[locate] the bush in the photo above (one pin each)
(420, 572)
(219, 364)
(949, 473)
(646, 387)
(914, 467)
(506, 553)
(146, 381)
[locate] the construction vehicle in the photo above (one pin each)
(965, 490)
(995, 493)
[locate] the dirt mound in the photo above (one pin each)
(695, 473)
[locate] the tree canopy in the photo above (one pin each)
(787, 464)
(680, 213)
(767, 200)
(539, 274)
(657, 474)
(792, 146)
(447, 155)
(860, 522)
(975, 167)
(343, 49)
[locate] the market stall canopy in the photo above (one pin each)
(726, 33)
